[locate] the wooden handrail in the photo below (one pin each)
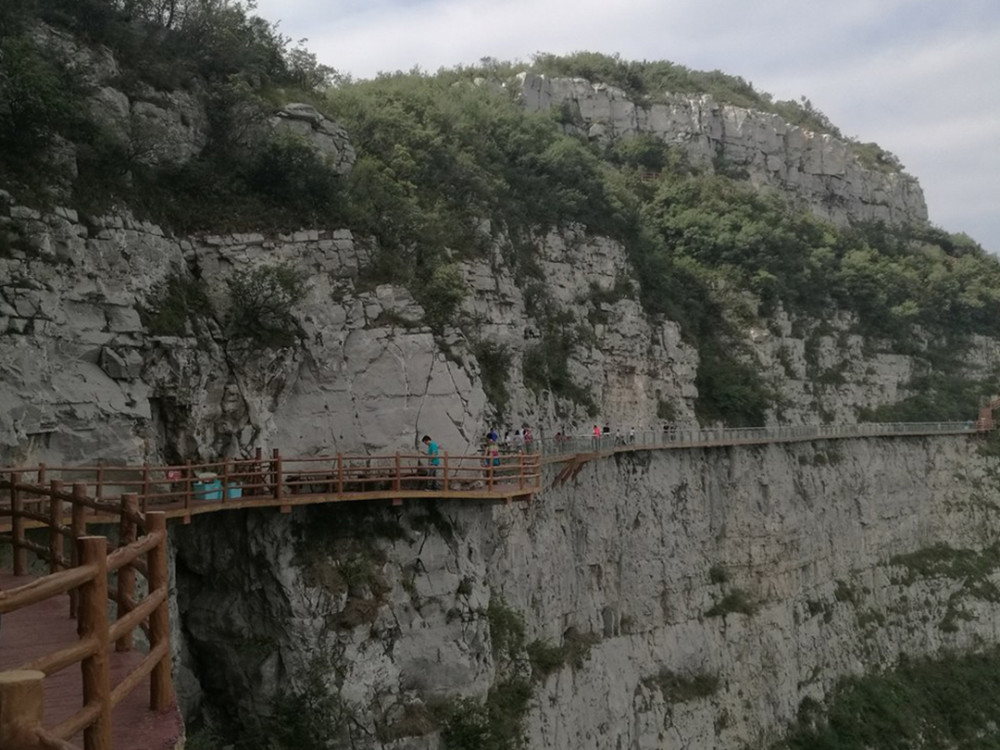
(128, 556)
(280, 477)
(86, 579)
(45, 588)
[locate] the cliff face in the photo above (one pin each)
(689, 598)
(84, 379)
(698, 595)
(823, 171)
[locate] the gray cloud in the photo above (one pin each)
(916, 76)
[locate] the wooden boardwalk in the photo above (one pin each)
(34, 497)
(32, 632)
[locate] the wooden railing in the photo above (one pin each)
(184, 489)
(83, 574)
(561, 447)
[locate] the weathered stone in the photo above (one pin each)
(820, 169)
(121, 367)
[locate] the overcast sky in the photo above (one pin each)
(919, 77)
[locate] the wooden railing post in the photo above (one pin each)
(17, 526)
(79, 528)
(520, 469)
(160, 687)
(276, 472)
(145, 487)
(225, 479)
(444, 477)
(55, 521)
(188, 489)
(397, 479)
(258, 471)
(21, 697)
(41, 474)
(93, 623)
(340, 473)
(125, 594)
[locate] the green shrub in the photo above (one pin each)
(943, 561)
(309, 719)
(261, 302)
(506, 629)
(736, 601)
(951, 701)
(39, 99)
(718, 574)
(545, 658)
(846, 593)
(494, 724)
(678, 688)
(286, 171)
(174, 305)
(494, 369)
(441, 295)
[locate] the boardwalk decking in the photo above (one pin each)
(29, 633)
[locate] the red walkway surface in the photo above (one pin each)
(40, 629)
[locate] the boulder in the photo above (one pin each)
(326, 137)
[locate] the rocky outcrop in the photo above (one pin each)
(83, 379)
(765, 572)
(825, 172)
(326, 137)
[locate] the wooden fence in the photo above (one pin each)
(190, 488)
(83, 574)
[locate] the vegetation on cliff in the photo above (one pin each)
(451, 166)
(951, 701)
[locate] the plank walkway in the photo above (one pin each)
(42, 628)
(39, 629)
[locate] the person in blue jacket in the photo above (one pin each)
(433, 459)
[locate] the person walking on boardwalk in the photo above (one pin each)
(433, 459)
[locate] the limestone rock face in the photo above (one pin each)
(821, 170)
(85, 378)
(768, 571)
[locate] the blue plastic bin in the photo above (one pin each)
(208, 490)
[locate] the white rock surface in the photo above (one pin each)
(632, 554)
(820, 169)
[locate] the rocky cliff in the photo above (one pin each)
(84, 379)
(823, 171)
(678, 599)
(688, 598)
